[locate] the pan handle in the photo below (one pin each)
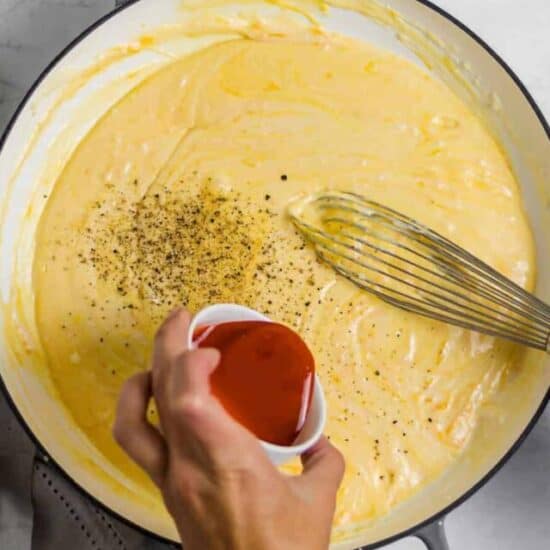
(433, 535)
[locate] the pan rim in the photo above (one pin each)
(411, 531)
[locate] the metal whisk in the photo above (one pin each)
(416, 269)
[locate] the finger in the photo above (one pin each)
(199, 415)
(198, 425)
(170, 342)
(171, 337)
(141, 441)
(187, 396)
(192, 370)
(323, 468)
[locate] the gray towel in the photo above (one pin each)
(41, 510)
(65, 518)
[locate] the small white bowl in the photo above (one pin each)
(317, 414)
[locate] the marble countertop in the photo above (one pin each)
(512, 510)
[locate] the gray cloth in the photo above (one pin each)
(41, 510)
(16, 511)
(65, 518)
(16, 462)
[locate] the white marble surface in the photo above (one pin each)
(513, 510)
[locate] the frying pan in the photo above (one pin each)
(99, 67)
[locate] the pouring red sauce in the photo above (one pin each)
(265, 377)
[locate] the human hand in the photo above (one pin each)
(216, 480)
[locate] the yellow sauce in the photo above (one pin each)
(178, 196)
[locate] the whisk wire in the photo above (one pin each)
(440, 245)
(414, 268)
(476, 265)
(445, 301)
(463, 282)
(458, 321)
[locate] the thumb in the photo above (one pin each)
(323, 469)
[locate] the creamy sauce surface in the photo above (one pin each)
(178, 196)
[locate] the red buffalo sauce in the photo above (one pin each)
(265, 377)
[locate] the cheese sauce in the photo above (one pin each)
(178, 196)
